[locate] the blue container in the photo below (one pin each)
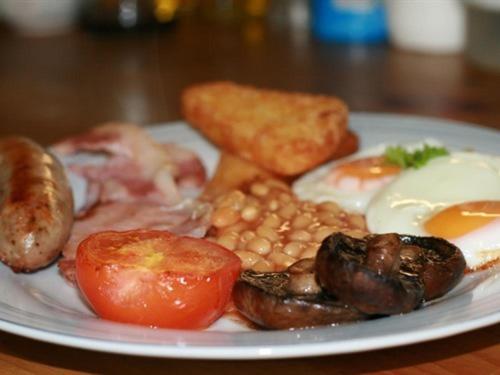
(349, 21)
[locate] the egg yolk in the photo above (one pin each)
(365, 169)
(458, 220)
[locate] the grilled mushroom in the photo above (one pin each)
(443, 264)
(388, 273)
(290, 299)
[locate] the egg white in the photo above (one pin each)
(314, 186)
(480, 246)
(417, 194)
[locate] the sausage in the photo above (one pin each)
(36, 205)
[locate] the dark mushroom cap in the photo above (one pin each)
(265, 299)
(444, 264)
(387, 274)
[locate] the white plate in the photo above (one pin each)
(43, 307)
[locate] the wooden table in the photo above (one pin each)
(56, 86)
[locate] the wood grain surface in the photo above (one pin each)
(53, 87)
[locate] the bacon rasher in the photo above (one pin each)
(136, 168)
(139, 184)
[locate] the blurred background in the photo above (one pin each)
(67, 65)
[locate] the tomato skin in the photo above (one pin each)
(185, 284)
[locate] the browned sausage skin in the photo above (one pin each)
(36, 205)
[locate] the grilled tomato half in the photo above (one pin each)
(156, 278)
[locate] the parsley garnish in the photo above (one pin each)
(416, 159)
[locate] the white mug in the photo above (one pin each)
(435, 26)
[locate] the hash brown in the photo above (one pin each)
(285, 133)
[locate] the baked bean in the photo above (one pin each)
(250, 213)
(228, 240)
(301, 221)
(272, 221)
(329, 218)
(224, 216)
(267, 232)
(287, 211)
(259, 245)
(357, 221)
(270, 228)
(278, 246)
(280, 259)
(259, 189)
(247, 235)
(285, 197)
(273, 205)
(310, 251)
(314, 226)
(294, 248)
(299, 235)
(238, 227)
(242, 245)
(355, 233)
(308, 206)
(330, 207)
(263, 266)
(248, 258)
(235, 199)
(252, 201)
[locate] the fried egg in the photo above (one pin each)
(456, 197)
(352, 182)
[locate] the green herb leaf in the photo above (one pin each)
(405, 159)
(396, 155)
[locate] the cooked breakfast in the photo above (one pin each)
(151, 239)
